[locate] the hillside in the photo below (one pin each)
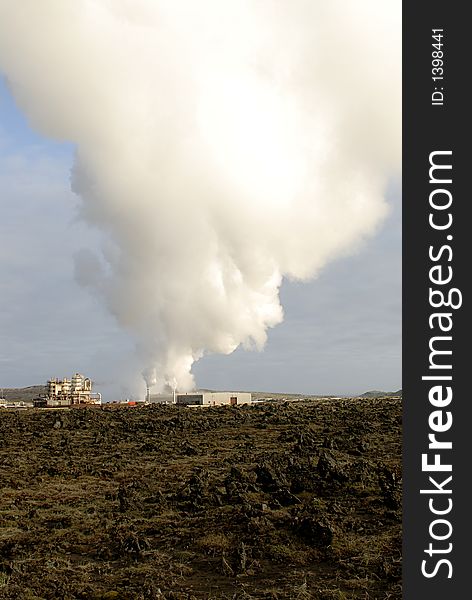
(23, 394)
(380, 394)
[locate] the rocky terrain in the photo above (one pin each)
(275, 501)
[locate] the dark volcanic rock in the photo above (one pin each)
(269, 478)
(269, 501)
(330, 467)
(317, 531)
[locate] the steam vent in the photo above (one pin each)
(67, 392)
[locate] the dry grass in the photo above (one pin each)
(171, 504)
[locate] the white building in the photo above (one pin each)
(66, 392)
(200, 398)
(160, 398)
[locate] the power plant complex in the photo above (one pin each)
(76, 391)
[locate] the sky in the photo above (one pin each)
(336, 332)
(341, 333)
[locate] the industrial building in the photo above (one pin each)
(205, 398)
(69, 392)
(160, 398)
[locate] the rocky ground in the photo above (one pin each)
(275, 501)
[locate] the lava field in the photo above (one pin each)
(294, 500)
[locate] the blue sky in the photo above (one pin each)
(341, 333)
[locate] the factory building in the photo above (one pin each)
(160, 398)
(67, 392)
(205, 398)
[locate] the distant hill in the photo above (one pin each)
(379, 394)
(23, 394)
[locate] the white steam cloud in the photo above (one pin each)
(221, 146)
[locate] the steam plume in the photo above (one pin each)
(220, 146)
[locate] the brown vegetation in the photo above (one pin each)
(283, 501)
